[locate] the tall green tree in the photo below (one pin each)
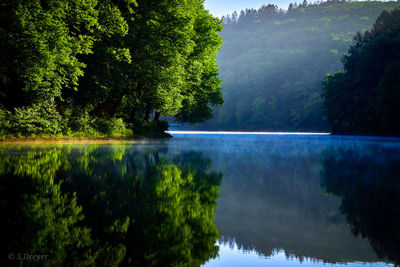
(363, 99)
(202, 89)
(106, 79)
(173, 52)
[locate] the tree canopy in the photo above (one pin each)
(363, 99)
(102, 66)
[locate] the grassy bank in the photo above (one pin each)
(82, 138)
(39, 125)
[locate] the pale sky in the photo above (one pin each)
(222, 7)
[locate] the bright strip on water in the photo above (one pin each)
(246, 133)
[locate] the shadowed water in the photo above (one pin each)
(203, 199)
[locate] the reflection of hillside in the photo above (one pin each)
(108, 205)
(274, 201)
(369, 188)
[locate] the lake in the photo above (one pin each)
(203, 199)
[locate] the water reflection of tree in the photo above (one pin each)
(108, 205)
(274, 201)
(369, 185)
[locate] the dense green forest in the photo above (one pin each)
(272, 62)
(109, 67)
(364, 98)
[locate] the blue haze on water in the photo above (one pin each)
(283, 200)
(273, 202)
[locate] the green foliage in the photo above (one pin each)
(106, 61)
(36, 119)
(363, 99)
(174, 60)
(82, 123)
(282, 57)
(78, 119)
(202, 85)
(112, 127)
(40, 43)
(4, 121)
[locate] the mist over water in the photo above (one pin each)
(278, 194)
(206, 199)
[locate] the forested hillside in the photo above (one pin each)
(364, 99)
(273, 62)
(109, 67)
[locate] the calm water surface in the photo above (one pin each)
(203, 199)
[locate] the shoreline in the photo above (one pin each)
(67, 140)
(82, 139)
(166, 135)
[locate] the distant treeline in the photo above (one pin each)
(272, 62)
(271, 11)
(110, 67)
(364, 99)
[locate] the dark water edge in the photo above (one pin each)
(274, 199)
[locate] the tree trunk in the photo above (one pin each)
(148, 111)
(132, 118)
(157, 116)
